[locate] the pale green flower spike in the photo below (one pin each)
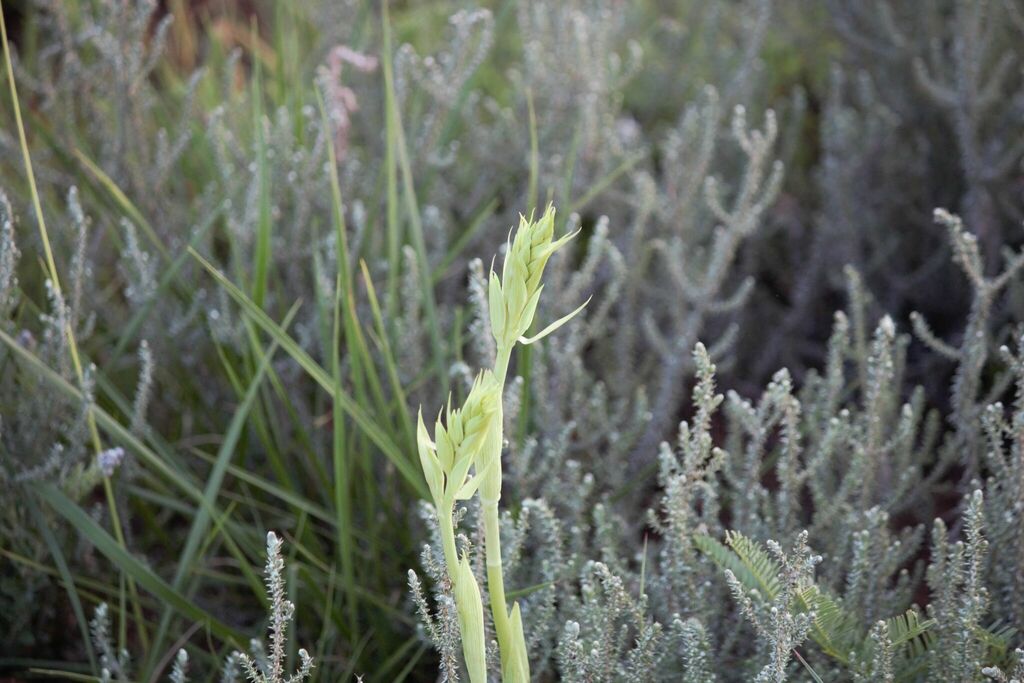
(473, 436)
(513, 300)
(446, 463)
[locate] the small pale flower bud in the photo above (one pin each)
(109, 460)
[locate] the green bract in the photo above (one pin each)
(471, 621)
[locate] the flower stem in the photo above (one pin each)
(490, 494)
(501, 365)
(495, 575)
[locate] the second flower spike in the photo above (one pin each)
(458, 440)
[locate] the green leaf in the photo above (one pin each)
(554, 326)
(496, 304)
(377, 434)
(126, 562)
(835, 630)
(754, 567)
(201, 521)
(65, 575)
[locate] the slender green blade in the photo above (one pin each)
(65, 575)
(412, 206)
(263, 227)
(403, 463)
(202, 519)
(129, 564)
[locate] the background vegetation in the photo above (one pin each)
(242, 242)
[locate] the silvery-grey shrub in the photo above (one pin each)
(732, 212)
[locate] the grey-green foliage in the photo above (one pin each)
(611, 637)
(696, 653)
(925, 98)
(101, 59)
(778, 624)
(956, 577)
(976, 343)
(258, 666)
(440, 624)
(1004, 493)
(9, 254)
(878, 665)
(111, 56)
(1016, 673)
(44, 435)
(671, 217)
(701, 280)
(831, 466)
(621, 407)
(690, 232)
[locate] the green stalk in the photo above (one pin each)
(501, 366)
(490, 494)
(496, 579)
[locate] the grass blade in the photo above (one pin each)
(202, 519)
(263, 226)
(65, 575)
(55, 282)
(126, 562)
(375, 432)
(396, 132)
(126, 206)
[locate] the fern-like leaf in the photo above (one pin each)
(836, 630)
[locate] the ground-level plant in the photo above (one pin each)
(257, 666)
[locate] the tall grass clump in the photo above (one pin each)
(248, 281)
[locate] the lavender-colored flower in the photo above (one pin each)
(109, 460)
